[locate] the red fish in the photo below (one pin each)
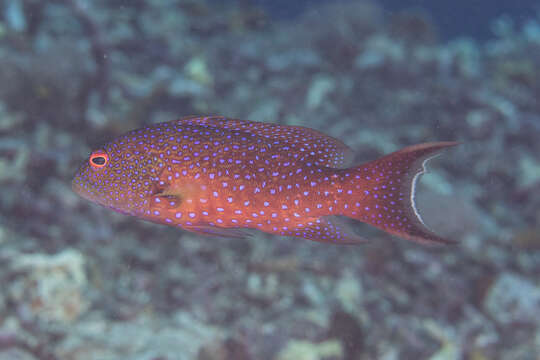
(216, 176)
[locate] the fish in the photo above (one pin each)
(219, 176)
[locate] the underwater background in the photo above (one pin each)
(78, 281)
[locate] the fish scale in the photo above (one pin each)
(217, 176)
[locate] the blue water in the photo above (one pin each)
(454, 18)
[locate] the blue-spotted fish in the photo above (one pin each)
(217, 176)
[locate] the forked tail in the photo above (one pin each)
(382, 192)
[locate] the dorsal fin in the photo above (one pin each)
(314, 146)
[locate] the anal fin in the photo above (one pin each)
(328, 229)
(209, 230)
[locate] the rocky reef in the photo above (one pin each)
(80, 282)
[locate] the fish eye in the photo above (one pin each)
(98, 159)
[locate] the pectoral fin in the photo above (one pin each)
(165, 196)
(166, 201)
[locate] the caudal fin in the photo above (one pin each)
(382, 192)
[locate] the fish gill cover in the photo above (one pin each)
(80, 282)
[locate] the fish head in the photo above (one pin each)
(119, 176)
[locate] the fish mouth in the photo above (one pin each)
(93, 198)
(75, 187)
(85, 194)
(78, 189)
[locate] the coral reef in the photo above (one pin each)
(80, 282)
